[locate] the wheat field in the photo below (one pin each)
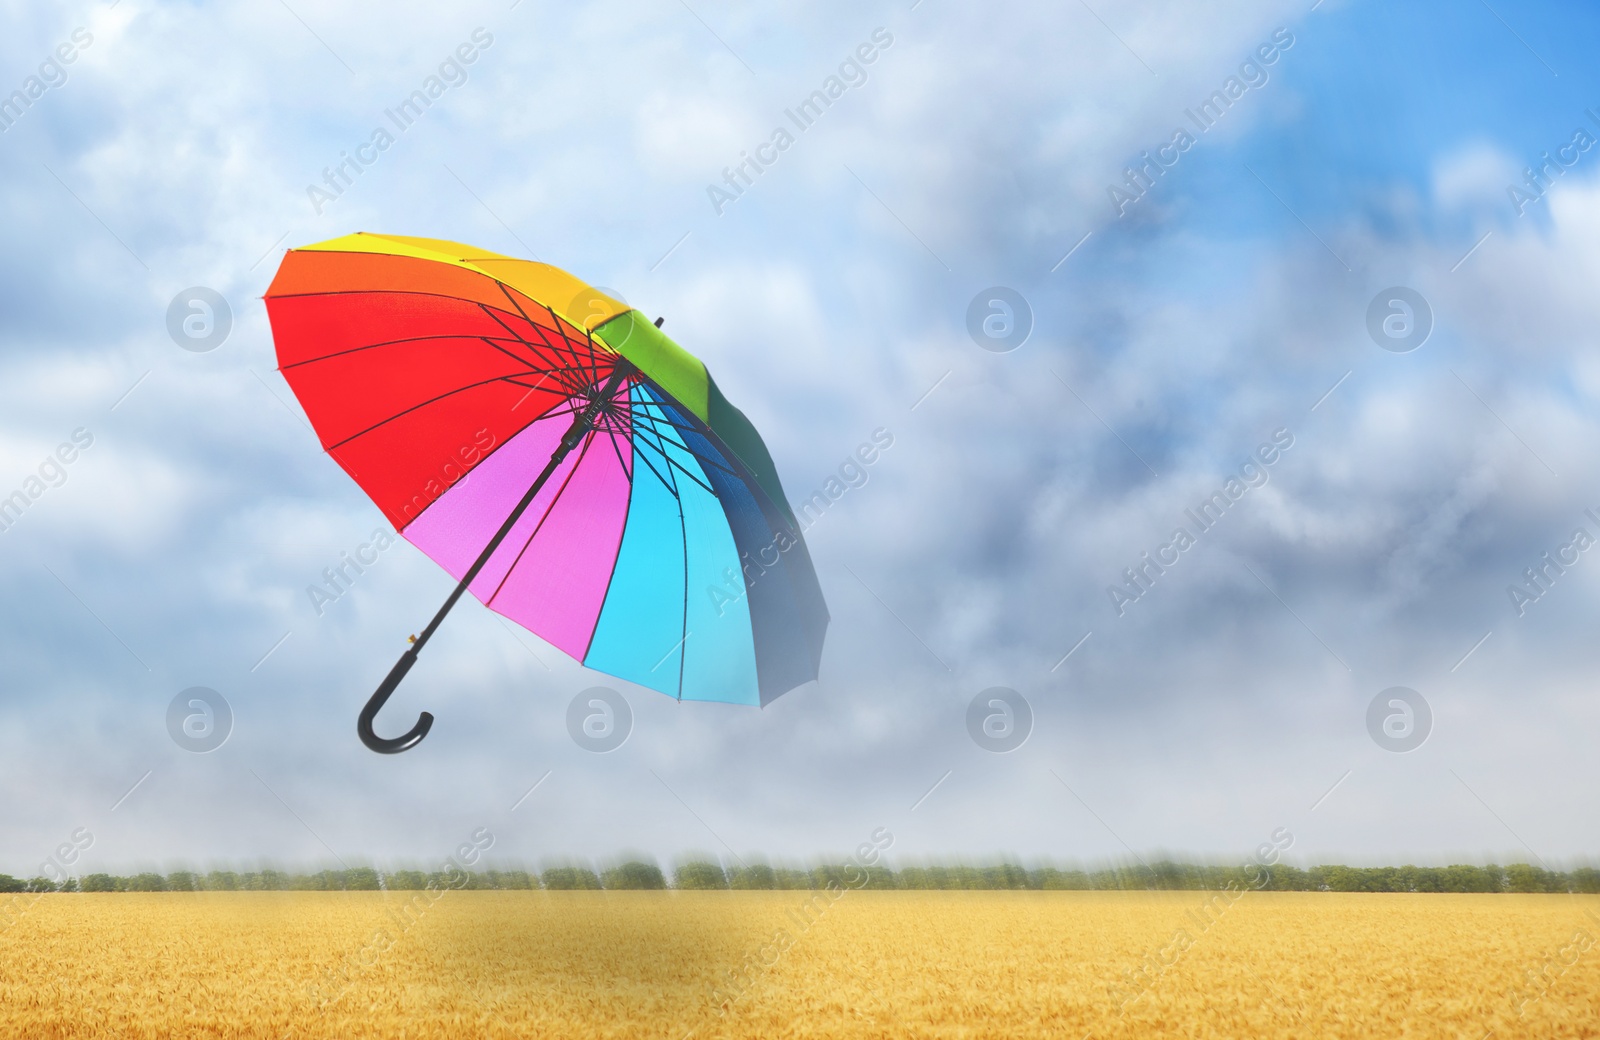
(798, 964)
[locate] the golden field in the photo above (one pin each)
(870, 964)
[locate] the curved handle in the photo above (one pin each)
(394, 745)
(581, 422)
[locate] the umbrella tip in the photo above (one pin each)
(659, 321)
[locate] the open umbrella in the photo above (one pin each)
(560, 456)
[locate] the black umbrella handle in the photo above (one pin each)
(392, 745)
(582, 423)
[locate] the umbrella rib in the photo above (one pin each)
(505, 290)
(673, 463)
(680, 442)
(594, 357)
(534, 348)
(594, 369)
(398, 342)
(555, 370)
(616, 557)
(441, 296)
(640, 455)
(604, 349)
(556, 322)
(683, 526)
(683, 649)
(669, 421)
(539, 385)
(368, 292)
(665, 405)
(667, 481)
(432, 400)
(683, 532)
(570, 407)
(568, 340)
(588, 336)
(617, 434)
(538, 327)
(698, 456)
(561, 387)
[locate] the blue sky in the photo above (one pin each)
(829, 300)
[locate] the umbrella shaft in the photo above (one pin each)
(505, 529)
(581, 424)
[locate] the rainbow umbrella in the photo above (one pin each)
(560, 456)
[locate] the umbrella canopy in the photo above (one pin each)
(661, 549)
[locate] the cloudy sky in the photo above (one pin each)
(1176, 322)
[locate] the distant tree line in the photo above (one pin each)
(706, 875)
